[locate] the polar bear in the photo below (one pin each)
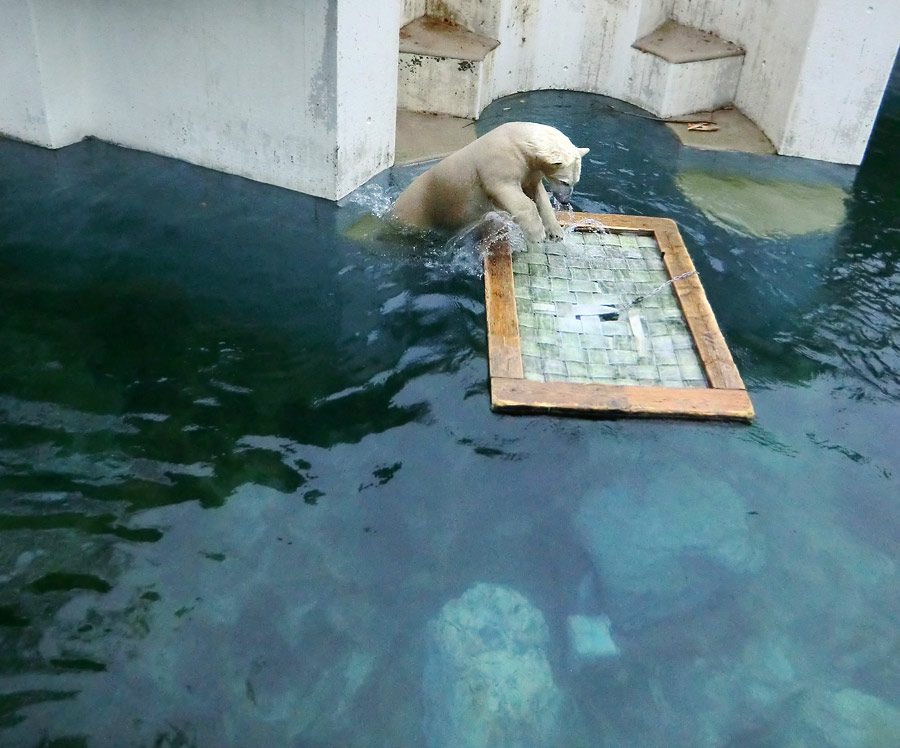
(501, 170)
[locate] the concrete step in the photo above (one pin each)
(687, 70)
(444, 68)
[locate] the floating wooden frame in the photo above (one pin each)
(724, 396)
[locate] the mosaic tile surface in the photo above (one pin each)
(554, 282)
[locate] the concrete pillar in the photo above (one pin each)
(296, 93)
(849, 54)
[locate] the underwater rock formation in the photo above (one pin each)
(837, 719)
(764, 208)
(488, 682)
(665, 545)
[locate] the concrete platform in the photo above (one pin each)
(736, 132)
(676, 43)
(423, 137)
(436, 37)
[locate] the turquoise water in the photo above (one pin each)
(251, 491)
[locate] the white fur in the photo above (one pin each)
(502, 170)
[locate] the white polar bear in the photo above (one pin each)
(501, 170)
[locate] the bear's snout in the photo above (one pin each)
(562, 192)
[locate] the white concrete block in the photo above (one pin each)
(590, 639)
(849, 54)
(271, 91)
(443, 85)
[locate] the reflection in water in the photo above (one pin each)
(251, 492)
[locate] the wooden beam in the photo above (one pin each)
(698, 314)
(613, 221)
(605, 400)
(500, 306)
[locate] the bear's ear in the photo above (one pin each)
(583, 151)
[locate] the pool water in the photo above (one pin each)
(251, 491)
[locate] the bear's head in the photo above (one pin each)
(560, 161)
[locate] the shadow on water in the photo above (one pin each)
(251, 491)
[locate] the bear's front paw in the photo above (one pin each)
(555, 234)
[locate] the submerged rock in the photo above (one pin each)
(837, 719)
(764, 208)
(488, 682)
(666, 545)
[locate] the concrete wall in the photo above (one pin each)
(302, 93)
(849, 56)
(812, 78)
(815, 70)
(411, 9)
(262, 88)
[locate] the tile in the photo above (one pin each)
(576, 369)
(603, 371)
(570, 339)
(529, 347)
(595, 341)
(552, 366)
(523, 305)
(527, 320)
(596, 356)
(531, 363)
(669, 372)
(568, 324)
(569, 353)
(622, 357)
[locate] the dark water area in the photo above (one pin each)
(250, 484)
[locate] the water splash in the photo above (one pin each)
(468, 247)
(373, 197)
(557, 206)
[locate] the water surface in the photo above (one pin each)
(246, 463)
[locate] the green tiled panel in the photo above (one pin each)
(610, 269)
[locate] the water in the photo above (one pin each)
(249, 478)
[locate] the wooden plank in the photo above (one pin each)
(698, 314)
(500, 305)
(603, 400)
(614, 221)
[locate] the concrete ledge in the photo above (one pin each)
(676, 43)
(436, 37)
